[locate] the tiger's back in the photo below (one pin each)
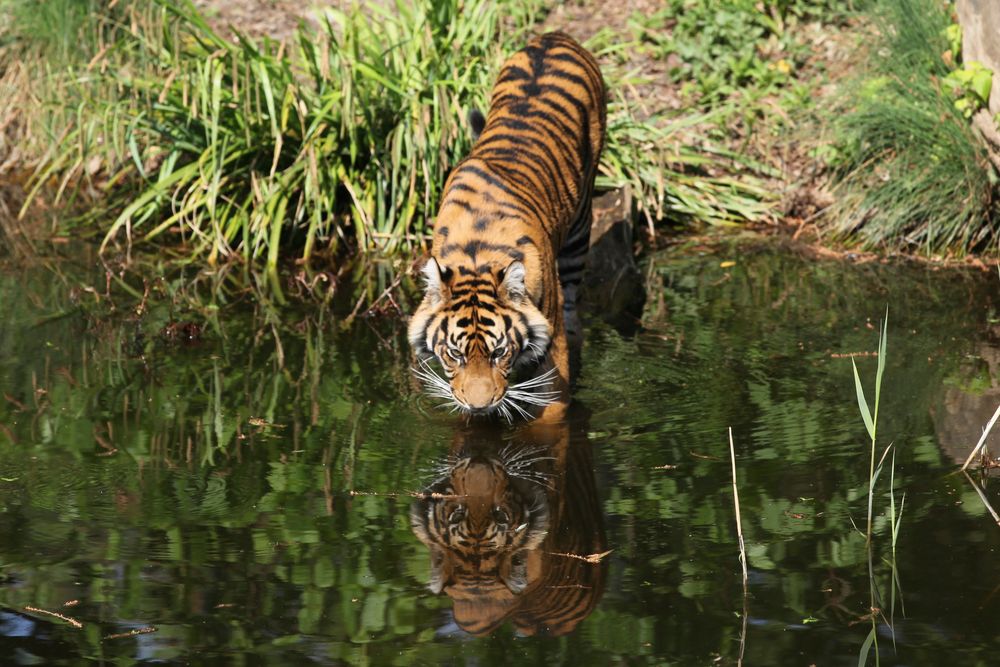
(544, 133)
(513, 227)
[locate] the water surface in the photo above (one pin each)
(245, 495)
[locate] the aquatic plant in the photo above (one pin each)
(911, 171)
(870, 418)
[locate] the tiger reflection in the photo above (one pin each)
(503, 524)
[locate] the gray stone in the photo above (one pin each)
(613, 289)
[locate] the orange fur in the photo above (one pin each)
(513, 226)
(501, 520)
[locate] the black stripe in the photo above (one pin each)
(509, 188)
(527, 137)
(461, 203)
(587, 86)
(557, 133)
(513, 73)
(533, 162)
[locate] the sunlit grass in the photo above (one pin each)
(912, 173)
(338, 141)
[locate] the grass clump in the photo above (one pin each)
(241, 148)
(912, 174)
(341, 140)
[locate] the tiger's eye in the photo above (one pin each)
(500, 515)
(455, 354)
(456, 515)
(499, 353)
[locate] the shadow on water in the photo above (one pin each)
(248, 495)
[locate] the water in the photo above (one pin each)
(198, 492)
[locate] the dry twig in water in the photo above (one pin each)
(132, 633)
(72, 621)
(590, 558)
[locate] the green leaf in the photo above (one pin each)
(862, 403)
(881, 360)
(953, 33)
(982, 83)
(866, 647)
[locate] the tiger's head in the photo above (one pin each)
(480, 324)
(483, 523)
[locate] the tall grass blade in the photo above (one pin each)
(862, 403)
(866, 648)
(912, 172)
(882, 339)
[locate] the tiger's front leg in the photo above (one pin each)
(555, 412)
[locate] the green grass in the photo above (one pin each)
(733, 48)
(911, 173)
(870, 418)
(339, 141)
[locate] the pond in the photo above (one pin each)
(236, 482)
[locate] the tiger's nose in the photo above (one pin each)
(479, 394)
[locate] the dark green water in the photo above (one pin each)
(204, 489)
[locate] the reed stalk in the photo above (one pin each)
(743, 550)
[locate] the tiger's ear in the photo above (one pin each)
(435, 281)
(512, 282)
(440, 570)
(476, 123)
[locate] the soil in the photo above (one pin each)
(276, 19)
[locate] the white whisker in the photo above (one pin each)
(539, 400)
(521, 411)
(544, 483)
(545, 378)
(520, 454)
(527, 462)
(535, 350)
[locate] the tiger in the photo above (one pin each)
(511, 236)
(503, 524)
